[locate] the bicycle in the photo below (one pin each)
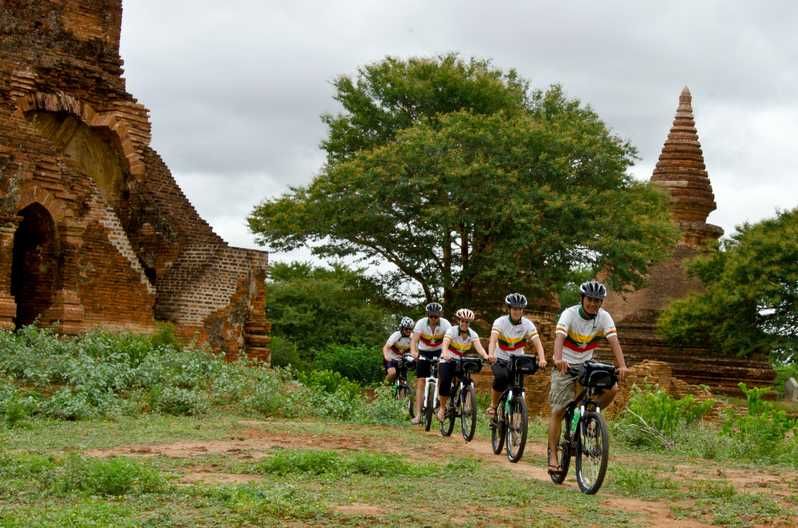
(508, 428)
(429, 405)
(463, 400)
(401, 389)
(584, 431)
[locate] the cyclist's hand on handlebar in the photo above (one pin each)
(491, 359)
(561, 365)
(622, 373)
(543, 364)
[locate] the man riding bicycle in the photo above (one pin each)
(578, 331)
(396, 347)
(426, 341)
(510, 335)
(460, 341)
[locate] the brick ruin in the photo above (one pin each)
(94, 230)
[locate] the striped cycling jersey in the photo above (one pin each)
(513, 338)
(582, 335)
(459, 345)
(430, 339)
(398, 344)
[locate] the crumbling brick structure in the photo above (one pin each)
(94, 231)
(681, 172)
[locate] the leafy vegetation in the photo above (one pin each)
(750, 302)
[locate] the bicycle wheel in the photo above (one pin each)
(468, 413)
(428, 410)
(498, 429)
(517, 426)
(447, 425)
(565, 449)
(592, 452)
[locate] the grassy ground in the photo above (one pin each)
(226, 470)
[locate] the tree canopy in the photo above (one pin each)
(471, 185)
(750, 302)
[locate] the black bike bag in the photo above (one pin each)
(471, 365)
(525, 364)
(597, 375)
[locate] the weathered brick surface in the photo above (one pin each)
(125, 246)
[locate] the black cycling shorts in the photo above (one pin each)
(501, 375)
(390, 364)
(447, 372)
(424, 368)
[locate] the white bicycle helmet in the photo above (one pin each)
(464, 314)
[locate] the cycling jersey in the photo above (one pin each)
(430, 340)
(582, 335)
(398, 344)
(461, 346)
(513, 337)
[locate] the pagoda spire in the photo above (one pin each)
(681, 171)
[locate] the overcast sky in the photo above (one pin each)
(235, 89)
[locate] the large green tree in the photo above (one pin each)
(470, 184)
(750, 301)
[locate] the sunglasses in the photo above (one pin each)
(434, 316)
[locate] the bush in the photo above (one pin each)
(653, 417)
(115, 476)
(765, 432)
(358, 363)
(178, 401)
(285, 353)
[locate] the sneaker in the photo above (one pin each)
(415, 421)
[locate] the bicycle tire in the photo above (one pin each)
(498, 429)
(517, 429)
(592, 447)
(565, 451)
(447, 425)
(468, 413)
(428, 410)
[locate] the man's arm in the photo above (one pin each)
(445, 347)
(559, 362)
(494, 339)
(620, 362)
(414, 344)
(539, 348)
(386, 352)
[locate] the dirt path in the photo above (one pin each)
(255, 441)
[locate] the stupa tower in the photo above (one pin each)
(681, 171)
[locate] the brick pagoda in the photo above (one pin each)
(681, 172)
(94, 231)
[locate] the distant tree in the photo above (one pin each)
(750, 302)
(471, 185)
(313, 307)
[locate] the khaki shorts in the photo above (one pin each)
(563, 389)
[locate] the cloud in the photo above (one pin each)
(236, 89)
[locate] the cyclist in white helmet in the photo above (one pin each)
(460, 341)
(511, 335)
(579, 329)
(426, 341)
(398, 345)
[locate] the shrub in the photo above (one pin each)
(115, 476)
(285, 353)
(329, 381)
(359, 363)
(178, 401)
(763, 432)
(653, 417)
(334, 464)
